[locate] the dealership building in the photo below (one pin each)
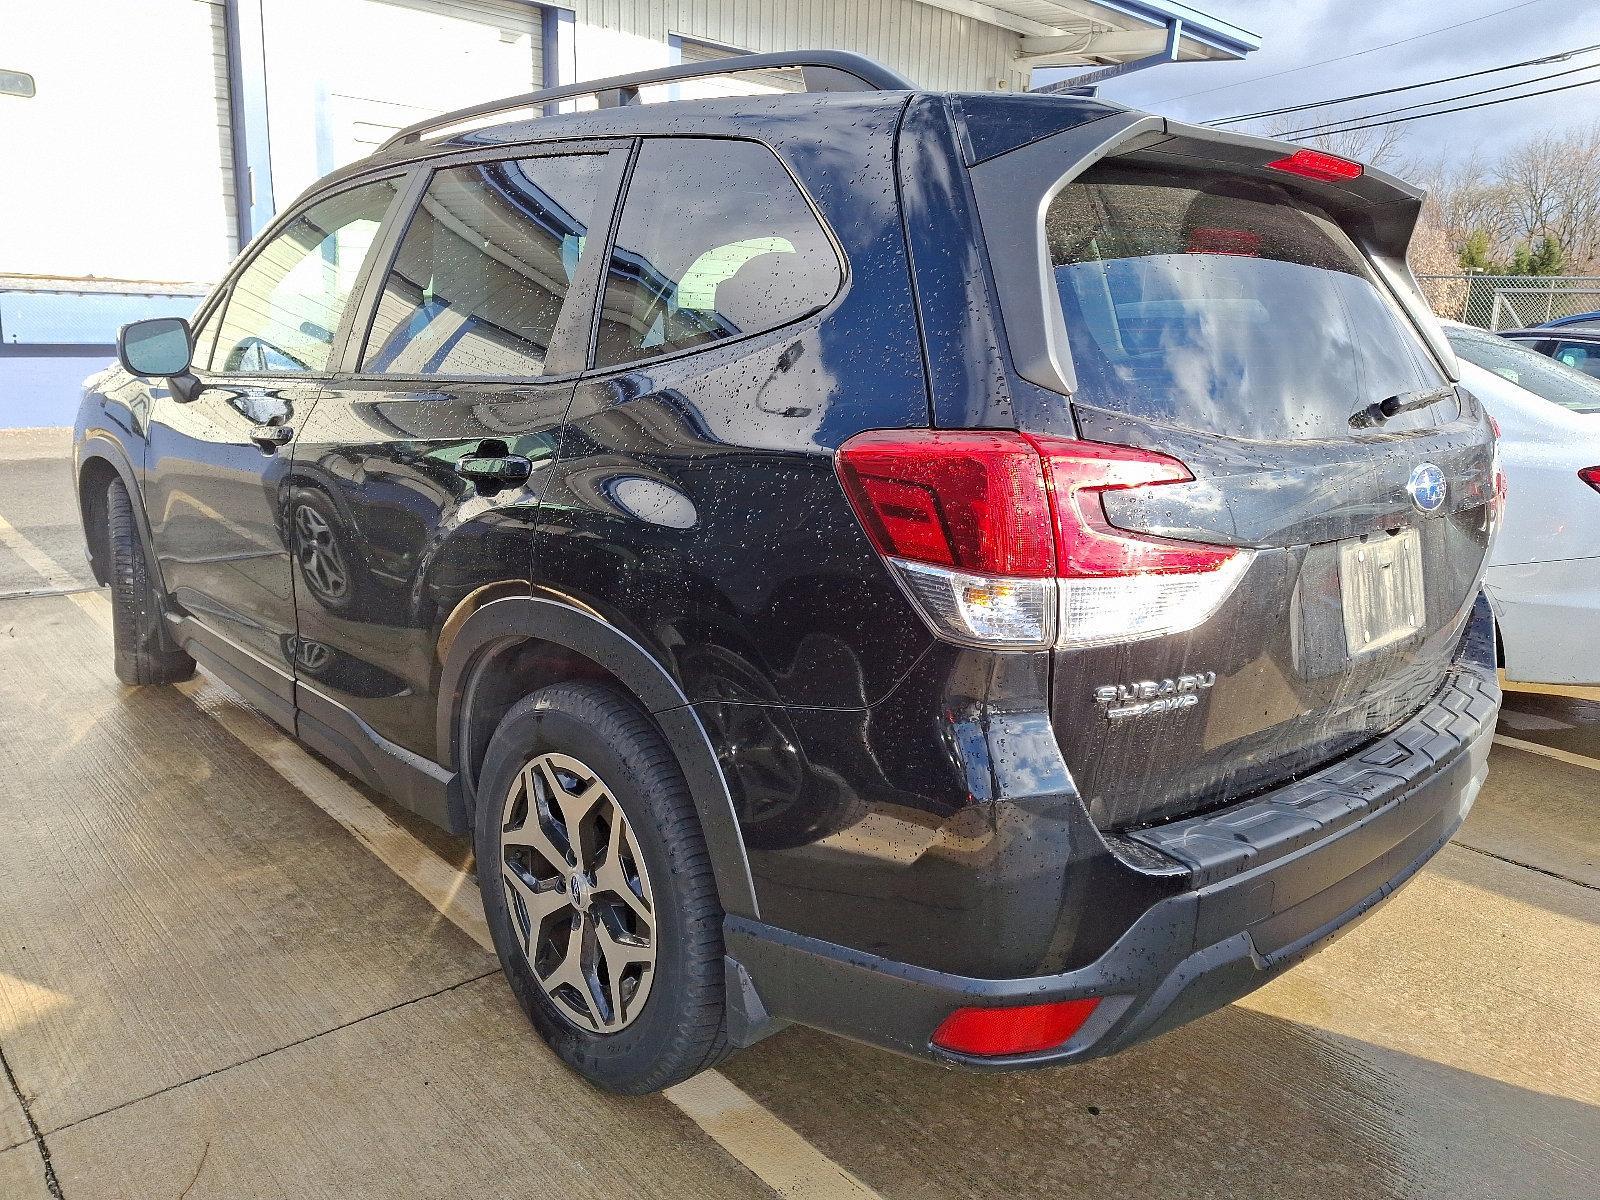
(143, 143)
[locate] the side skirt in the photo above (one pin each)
(329, 728)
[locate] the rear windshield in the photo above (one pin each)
(1527, 368)
(1227, 306)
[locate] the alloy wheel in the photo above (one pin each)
(578, 893)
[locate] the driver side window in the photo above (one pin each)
(284, 308)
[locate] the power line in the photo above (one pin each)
(1409, 87)
(1441, 100)
(1460, 108)
(1499, 12)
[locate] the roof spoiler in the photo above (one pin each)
(822, 70)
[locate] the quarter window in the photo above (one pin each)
(715, 241)
(484, 267)
(286, 305)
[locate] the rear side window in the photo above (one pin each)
(1529, 369)
(715, 241)
(484, 267)
(286, 305)
(1227, 306)
(1580, 356)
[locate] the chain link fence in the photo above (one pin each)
(1510, 301)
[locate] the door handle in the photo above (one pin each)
(270, 437)
(491, 465)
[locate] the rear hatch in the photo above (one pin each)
(1300, 583)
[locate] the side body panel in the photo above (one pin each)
(215, 501)
(390, 541)
(694, 506)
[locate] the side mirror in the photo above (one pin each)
(159, 347)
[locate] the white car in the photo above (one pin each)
(1544, 571)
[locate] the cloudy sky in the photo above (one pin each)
(1298, 36)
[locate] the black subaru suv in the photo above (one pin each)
(993, 576)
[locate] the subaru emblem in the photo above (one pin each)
(1427, 487)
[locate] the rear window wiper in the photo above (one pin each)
(1393, 406)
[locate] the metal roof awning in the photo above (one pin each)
(1117, 36)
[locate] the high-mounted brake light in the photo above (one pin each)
(995, 1031)
(1591, 476)
(1001, 539)
(1314, 164)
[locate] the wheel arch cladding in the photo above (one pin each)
(100, 462)
(569, 642)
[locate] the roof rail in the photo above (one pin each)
(823, 71)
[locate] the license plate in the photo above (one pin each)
(1381, 580)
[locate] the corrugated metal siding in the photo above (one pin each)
(219, 75)
(935, 48)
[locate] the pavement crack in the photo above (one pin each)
(265, 1054)
(198, 1167)
(50, 1180)
(1517, 862)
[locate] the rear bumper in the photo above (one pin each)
(1264, 883)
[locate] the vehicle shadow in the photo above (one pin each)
(1238, 1104)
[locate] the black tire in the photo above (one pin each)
(681, 1028)
(142, 649)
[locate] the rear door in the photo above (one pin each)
(218, 460)
(417, 478)
(1313, 544)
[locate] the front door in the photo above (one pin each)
(219, 458)
(418, 474)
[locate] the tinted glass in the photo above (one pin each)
(1226, 306)
(715, 241)
(285, 307)
(1529, 369)
(1580, 356)
(484, 267)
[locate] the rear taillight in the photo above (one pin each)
(1591, 476)
(1314, 164)
(1002, 540)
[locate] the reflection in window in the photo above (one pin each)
(1226, 305)
(715, 241)
(285, 307)
(484, 267)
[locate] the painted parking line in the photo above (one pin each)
(754, 1136)
(1566, 756)
(55, 576)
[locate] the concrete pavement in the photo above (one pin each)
(209, 987)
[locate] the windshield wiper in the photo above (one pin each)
(1393, 406)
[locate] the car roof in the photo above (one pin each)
(1558, 322)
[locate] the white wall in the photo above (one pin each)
(114, 168)
(934, 48)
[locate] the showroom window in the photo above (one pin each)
(285, 307)
(484, 267)
(715, 241)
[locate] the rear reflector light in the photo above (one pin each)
(1001, 539)
(1314, 164)
(995, 1031)
(1591, 476)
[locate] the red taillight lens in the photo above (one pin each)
(1591, 476)
(1314, 164)
(1001, 539)
(975, 501)
(1087, 546)
(996, 1031)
